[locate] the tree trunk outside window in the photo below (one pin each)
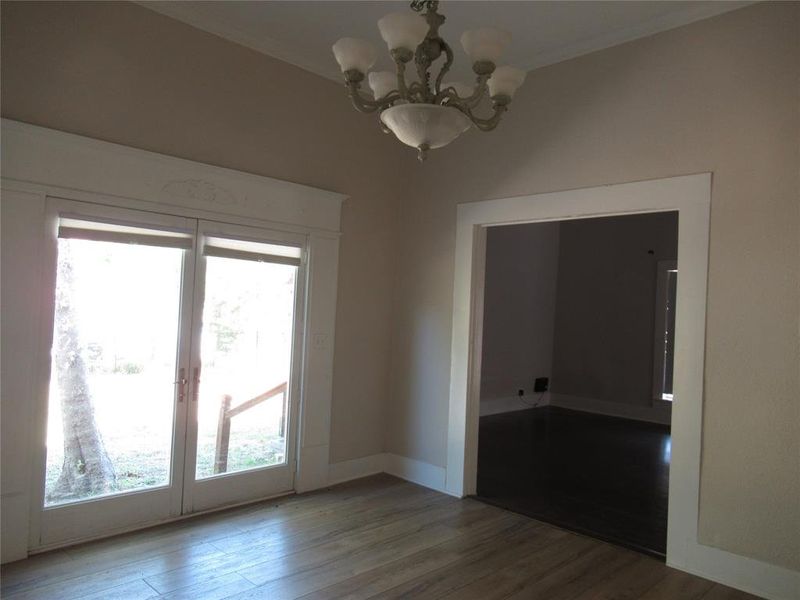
(87, 469)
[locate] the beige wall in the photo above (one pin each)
(605, 305)
(122, 73)
(719, 95)
(519, 307)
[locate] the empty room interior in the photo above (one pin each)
(576, 374)
(400, 299)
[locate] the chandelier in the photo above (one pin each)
(428, 113)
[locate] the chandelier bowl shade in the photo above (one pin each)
(425, 126)
(403, 30)
(355, 54)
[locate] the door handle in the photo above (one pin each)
(196, 384)
(181, 383)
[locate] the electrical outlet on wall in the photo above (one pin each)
(541, 384)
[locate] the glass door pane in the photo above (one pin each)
(246, 355)
(111, 401)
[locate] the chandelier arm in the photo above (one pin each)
(423, 72)
(366, 105)
(361, 104)
(402, 88)
(389, 99)
(430, 49)
(491, 122)
(415, 92)
(448, 97)
(445, 68)
(480, 90)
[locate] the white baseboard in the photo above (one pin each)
(661, 413)
(746, 574)
(505, 404)
(415, 471)
(14, 541)
(356, 468)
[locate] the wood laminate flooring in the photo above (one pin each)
(377, 537)
(598, 475)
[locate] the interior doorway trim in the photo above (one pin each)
(689, 195)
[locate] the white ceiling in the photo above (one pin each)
(301, 32)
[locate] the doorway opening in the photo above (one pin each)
(690, 197)
(576, 374)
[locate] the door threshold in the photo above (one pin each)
(118, 532)
(609, 539)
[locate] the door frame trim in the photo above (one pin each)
(690, 196)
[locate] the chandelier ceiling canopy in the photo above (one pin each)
(428, 112)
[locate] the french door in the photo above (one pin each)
(175, 368)
(248, 295)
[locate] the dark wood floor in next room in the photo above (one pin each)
(374, 538)
(597, 475)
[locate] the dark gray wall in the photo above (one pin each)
(519, 307)
(604, 318)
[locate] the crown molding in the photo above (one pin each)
(690, 14)
(193, 14)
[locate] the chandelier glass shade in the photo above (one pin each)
(425, 126)
(428, 113)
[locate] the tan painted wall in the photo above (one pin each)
(122, 73)
(719, 95)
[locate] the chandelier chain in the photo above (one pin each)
(420, 5)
